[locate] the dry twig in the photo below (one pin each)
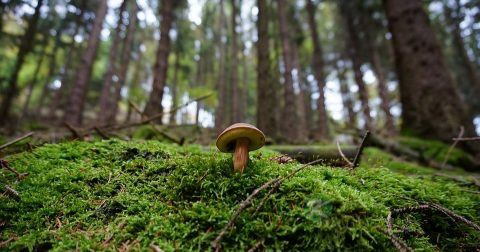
(343, 155)
(274, 183)
(399, 244)
(466, 139)
(4, 164)
(155, 248)
(3, 146)
(11, 193)
(76, 133)
(460, 135)
(356, 161)
(5, 243)
(101, 133)
(256, 246)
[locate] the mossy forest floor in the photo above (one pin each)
(115, 195)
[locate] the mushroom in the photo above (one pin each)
(240, 138)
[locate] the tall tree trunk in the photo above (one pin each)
(76, 103)
(266, 97)
(25, 48)
(354, 54)
(154, 104)
(235, 91)
(431, 106)
(174, 87)
(303, 127)
(289, 114)
(125, 56)
(60, 94)
(32, 83)
(318, 67)
(459, 45)
(221, 85)
(347, 99)
(112, 70)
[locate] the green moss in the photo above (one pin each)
(79, 193)
(437, 150)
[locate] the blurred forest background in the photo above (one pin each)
(302, 71)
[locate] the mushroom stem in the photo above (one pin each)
(240, 156)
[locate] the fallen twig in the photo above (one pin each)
(460, 135)
(155, 248)
(343, 155)
(74, 131)
(4, 164)
(101, 133)
(256, 246)
(399, 244)
(466, 139)
(275, 183)
(5, 243)
(356, 161)
(3, 146)
(11, 193)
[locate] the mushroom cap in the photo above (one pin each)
(226, 140)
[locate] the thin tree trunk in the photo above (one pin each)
(32, 83)
(235, 91)
(303, 128)
(431, 106)
(354, 53)
(173, 114)
(61, 93)
(154, 104)
(266, 96)
(318, 67)
(76, 103)
(51, 72)
(289, 113)
(222, 90)
(347, 99)
(125, 56)
(112, 70)
(25, 48)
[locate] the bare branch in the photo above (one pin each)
(343, 155)
(16, 140)
(356, 161)
(466, 139)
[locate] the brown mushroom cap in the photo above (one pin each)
(226, 140)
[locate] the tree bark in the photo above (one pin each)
(354, 54)
(76, 103)
(266, 96)
(289, 114)
(174, 87)
(303, 127)
(61, 93)
(32, 83)
(125, 56)
(106, 94)
(221, 85)
(154, 104)
(234, 66)
(431, 106)
(347, 100)
(25, 48)
(318, 67)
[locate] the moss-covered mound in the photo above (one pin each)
(110, 195)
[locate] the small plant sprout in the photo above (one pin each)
(240, 138)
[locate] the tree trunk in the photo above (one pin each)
(289, 113)
(173, 114)
(112, 70)
(266, 93)
(76, 103)
(154, 104)
(32, 83)
(61, 93)
(354, 54)
(52, 66)
(303, 127)
(347, 99)
(125, 56)
(431, 105)
(222, 90)
(235, 91)
(318, 67)
(25, 48)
